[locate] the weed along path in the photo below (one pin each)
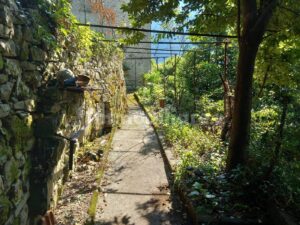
(135, 188)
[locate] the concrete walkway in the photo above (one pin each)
(135, 186)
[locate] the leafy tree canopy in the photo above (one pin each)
(279, 52)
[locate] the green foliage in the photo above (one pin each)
(201, 165)
(196, 74)
(56, 27)
(193, 146)
(264, 137)
(264, 128)
(198, 146)
(22, 132)
(276, 73)
(154, 88)
(215, 16)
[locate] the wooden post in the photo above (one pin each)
(225, 78)
(194, 82)
(227, 96)
(225, 60)
(85, 18)
(175, 84)
(135, 84)
(164, 77)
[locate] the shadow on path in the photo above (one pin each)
(136, 186)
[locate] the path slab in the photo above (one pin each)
(135, 187)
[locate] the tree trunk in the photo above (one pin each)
(228, 105)
(264, 81)
(239, 137)
(276, 157)
(228, 109)
(254, 26)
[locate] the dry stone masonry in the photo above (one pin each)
(41, 123)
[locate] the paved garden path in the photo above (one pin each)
(135, 188)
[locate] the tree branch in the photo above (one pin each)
(263, 20)
(289, 9)
(249, 11)
(264, 81)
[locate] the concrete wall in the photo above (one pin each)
(134, 69)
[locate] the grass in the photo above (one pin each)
(94, 200)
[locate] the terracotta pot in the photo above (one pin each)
(82, 80)
(162, 103)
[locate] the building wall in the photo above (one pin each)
(134, 69)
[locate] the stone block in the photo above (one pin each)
(6, 32)
(27, 66)
(29, 145)
(20, 133)
(6, 16)
(11, 172)
(3, 158)
(19, 105)
(6, 90)
(27, 105)
(3, 78)
(20, 157)
(5, 209)
(14, 221)
(17, 192)
(37, 54)
(30, 104)
(27, 34)
(4, 110)
(33, 79)
(24, 51)
(8, 48)
(10, 3)
(22, 90)
(18, 35)
(24, 215)
(13, 68)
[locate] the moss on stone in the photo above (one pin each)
(16, 221)
(22, 131)
(24, 54)
(26, 170)
(1, 62)
(4, 208)
(5, 153)
(12, 171)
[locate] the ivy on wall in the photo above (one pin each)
(67, 34)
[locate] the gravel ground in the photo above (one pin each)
(72, 208)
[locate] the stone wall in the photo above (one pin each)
(41, 122)
(135, 69)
